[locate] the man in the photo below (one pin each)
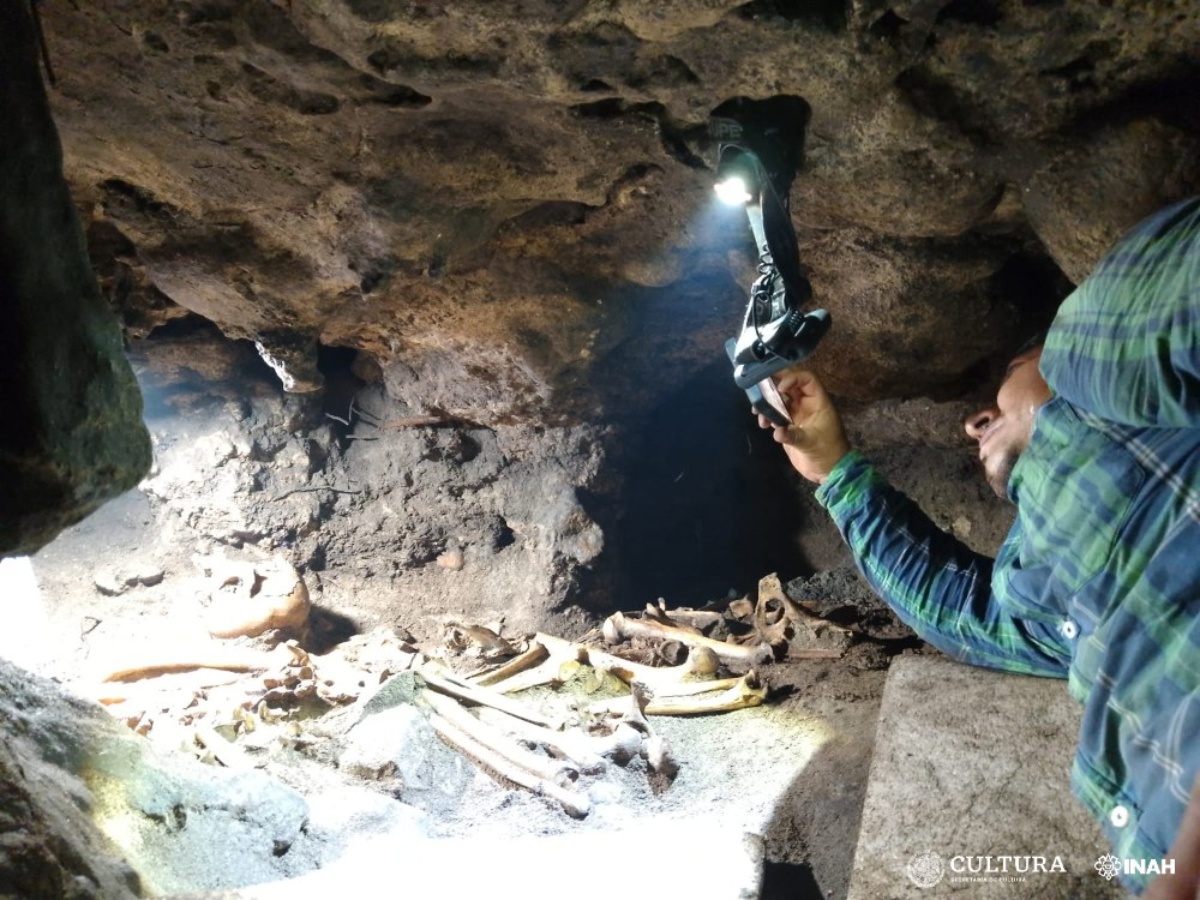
(1095, 437)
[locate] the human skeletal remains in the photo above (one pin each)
(537, 711)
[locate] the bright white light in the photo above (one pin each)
(25, 639)
(732, 191)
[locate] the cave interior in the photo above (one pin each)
(348, 337)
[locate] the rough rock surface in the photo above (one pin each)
(504, 202)
(496, 217)
(380, 512)
(94, 811)
(72, 435)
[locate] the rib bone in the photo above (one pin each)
(188, 659)
(536, 654)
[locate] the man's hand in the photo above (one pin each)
(814, 442)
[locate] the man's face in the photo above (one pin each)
(1003, 429)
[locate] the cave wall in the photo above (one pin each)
(391, 521)
(504, 209)
(73, 435)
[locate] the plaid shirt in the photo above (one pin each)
(1099, 579)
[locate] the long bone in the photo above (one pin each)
(536, 654)
(543, 767)
(693, 618)
(170, 655)
(485, 697)
(573, 802)
(700, 663)
(746, 692)
(564, 654)
(586, 751)
(620, 627)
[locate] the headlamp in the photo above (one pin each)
(756, 171)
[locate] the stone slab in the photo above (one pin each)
(971, 763)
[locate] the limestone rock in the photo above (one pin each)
(71, 769)
(73, 435)
(501, 203)
(1083, 199)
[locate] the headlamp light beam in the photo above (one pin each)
(732, 191)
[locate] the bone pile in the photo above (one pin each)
(538, 712)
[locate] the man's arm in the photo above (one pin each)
(937, 585)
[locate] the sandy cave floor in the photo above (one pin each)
(793, 771)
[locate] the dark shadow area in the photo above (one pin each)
(1173, 97)
(1036, 286)
(934, 95)
(709, 505)
(327, 629)
(984, 13)
(812, 836)
(341, 385)
(184, 328)
(829, 15)
(789, 881)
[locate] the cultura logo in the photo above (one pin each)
(925, 870)
(1108, 866)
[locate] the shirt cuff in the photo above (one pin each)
(847, 484)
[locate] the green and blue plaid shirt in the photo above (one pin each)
(1099, 579)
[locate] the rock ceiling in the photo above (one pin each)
(508, 201)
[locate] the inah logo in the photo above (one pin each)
(1111, 866)
(925, 870)
(1108, 866)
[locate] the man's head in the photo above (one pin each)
(1004, 428)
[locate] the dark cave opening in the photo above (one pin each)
(186, 365)
(710, 500)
